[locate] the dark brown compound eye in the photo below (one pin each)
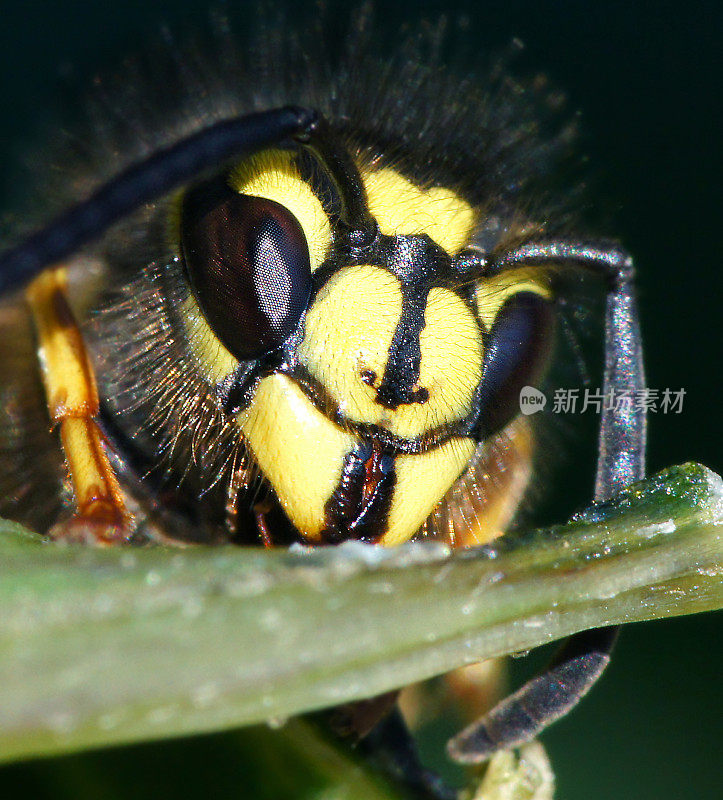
(247, 261)
(516, 355)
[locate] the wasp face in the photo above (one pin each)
(354, 372)
(254, 358)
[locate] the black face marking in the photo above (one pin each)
(401, 375)
(368, 376)
(419, 264)
(359, 507)
(236, 391)
(321, 400)
(407, 258)
(416, 260)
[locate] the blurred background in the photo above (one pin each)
(646, 78)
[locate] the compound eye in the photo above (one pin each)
(247, 261)
(517, 352)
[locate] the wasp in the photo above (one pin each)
(307, 314)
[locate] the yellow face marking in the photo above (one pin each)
(298, 449)
(349, 330)
(214, 359)
(492, 293)
(400, 207)
(274, 175)
(452, 359)
(422, 480)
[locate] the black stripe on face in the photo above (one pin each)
(401, 375)
(419, 263)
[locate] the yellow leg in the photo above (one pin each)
(72, 397)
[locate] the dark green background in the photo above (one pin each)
(647, 78)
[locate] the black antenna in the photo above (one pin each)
(147, 181)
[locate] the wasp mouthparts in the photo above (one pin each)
(360, 504)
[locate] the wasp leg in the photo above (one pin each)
(261, 510)
(391, 744)
(520, 717)
(621, 460)
(357, 719)
(72, 399)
